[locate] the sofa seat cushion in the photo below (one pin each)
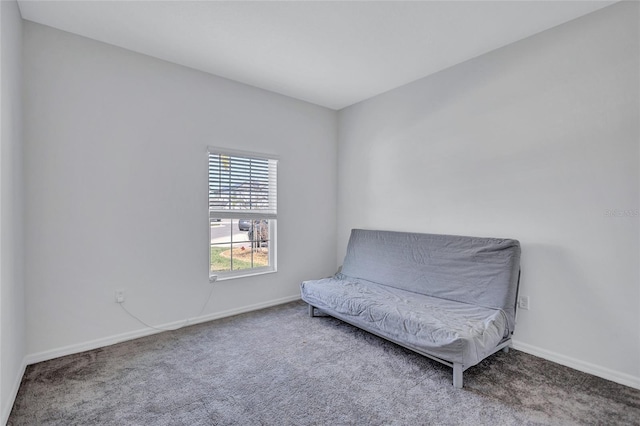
(447, 329)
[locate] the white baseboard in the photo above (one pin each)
(596, 370)
(119, 338)
(6, 411)
(576, 364)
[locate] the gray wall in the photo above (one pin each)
(12, 315)
(116, 190)
(536, 141)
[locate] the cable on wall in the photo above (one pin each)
(186, 322)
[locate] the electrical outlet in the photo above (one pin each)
(523, 302)
(119, 296)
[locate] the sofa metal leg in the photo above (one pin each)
(457, 375)
(311, 311)
(505, 349)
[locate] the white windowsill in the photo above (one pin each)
(225, 276)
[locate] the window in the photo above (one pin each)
(242, 213)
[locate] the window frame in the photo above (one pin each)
(235, 214)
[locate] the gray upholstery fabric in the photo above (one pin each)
(454, 331)
(452, 297)
(480, 271)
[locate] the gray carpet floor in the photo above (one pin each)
(280, 367)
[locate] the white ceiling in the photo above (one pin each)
(330, 53)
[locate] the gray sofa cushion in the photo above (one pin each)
(478, 271)
(455, 331)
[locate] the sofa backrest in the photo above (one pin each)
(479, 271)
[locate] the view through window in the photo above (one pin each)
(242, 213)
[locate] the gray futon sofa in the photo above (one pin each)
(450, 298)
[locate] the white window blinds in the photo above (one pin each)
(242, 185)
